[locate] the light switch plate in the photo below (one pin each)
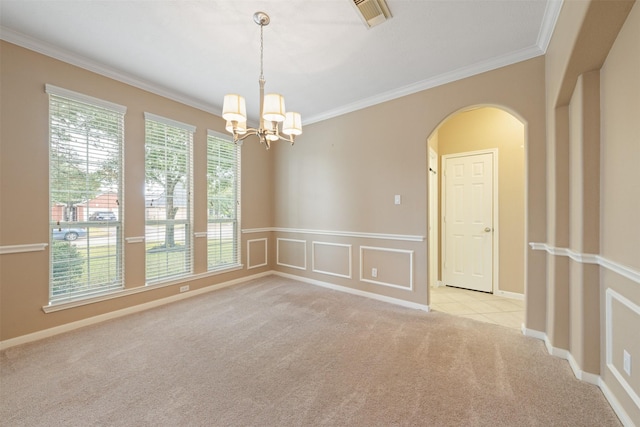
(397, 199)
(626, 362)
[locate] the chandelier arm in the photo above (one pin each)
(290, 138)
(250, 132)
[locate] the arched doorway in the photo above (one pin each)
(465, 134)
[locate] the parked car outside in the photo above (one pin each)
(103, 216)
(69, 234)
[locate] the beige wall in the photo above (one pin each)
(24, 187)
(593, 105)
(487, 128)
(344, 172)
(336, 186)
(620, 210)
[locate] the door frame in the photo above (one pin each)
(433, 261)
(495, 273)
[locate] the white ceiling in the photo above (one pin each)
(317, 53)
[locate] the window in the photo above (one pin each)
(85, 176)
(168, 182)
(223, 199)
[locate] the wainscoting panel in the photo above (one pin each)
(619, 313)
(333, 259)
(387, 267)
(291, 253)
(257, 255)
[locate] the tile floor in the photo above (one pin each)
(478, 306)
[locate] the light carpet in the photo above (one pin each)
(277, 352)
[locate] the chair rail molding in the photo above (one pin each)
(618, 268)
(401, 237)
(16, 249)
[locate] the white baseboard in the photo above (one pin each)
(562, 353)
(625, 419)
(583, 376)
(46, 333)
(35, 336)
(580, 374)
(534, 334)
(352, 291)
(512, 295)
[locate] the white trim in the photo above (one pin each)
(433, 205)
(534, 334)
(610, 296)
(80, 97)
(555, 351)
(52, 308)
(16, 249)
(71, 58)
(452, 76)
(135, 239)
(287, 265)
(35, 336)
(579, 373)
(625, 419)
(353, 291)
(313, 259)
(258, 230)
(266, 255)
(401, 237)
(393, 285)
(623, 270)
(47, 49)
(199, 234)
(512, 295)
(551, 13)
(495, 233)
(169, 122)
(583, 376)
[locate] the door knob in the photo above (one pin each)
(487, 229)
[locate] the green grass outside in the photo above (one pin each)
(102, 270)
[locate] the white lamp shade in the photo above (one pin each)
(234, 108)
(241, 127)
(292, 124)
(272, 137)
(273, 107)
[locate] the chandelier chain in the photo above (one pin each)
(261, 51)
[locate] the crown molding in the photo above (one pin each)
(551, 14)
(55, 52)
(552, 10)
(459, 74)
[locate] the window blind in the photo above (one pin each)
(223, 202)
(85, 177)
(168, 210)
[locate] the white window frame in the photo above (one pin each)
(187, 221)
(91, 282)
(212, 237)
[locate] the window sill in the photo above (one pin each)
(52, 308)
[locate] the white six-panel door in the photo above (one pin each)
(467, 245)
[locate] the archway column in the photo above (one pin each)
(584, 209)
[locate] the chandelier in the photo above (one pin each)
(272, 112)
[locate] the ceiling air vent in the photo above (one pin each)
(373, 12)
